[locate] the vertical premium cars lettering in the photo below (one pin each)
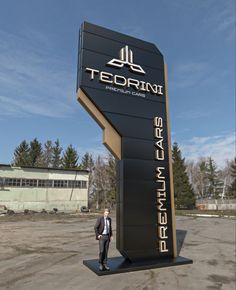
(158, 129)
(162, 217)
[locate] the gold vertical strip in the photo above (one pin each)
(170, 166)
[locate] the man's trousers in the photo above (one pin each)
(104, 242)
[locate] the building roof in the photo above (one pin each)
(46, 168)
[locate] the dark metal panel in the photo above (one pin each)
(121, 91)
(140, 238)
(126, 104)
(144, 255)
(145, 170)
(140, 213)
(142, 169)
(134, 148)
(109, 48)
(133, 127)
(138, 191)
(141, 191)
(107, 33)
(118, 225)
(99, 59)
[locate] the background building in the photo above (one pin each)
(37, 188)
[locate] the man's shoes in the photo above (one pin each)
(103, 267)
(106, 267)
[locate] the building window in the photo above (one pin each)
(65, 183)
(29, 182)
(12, 182)
(70, 183)
(57, 183)
(49, 183)
(1, 183)
(41, 183)
(78, 184)
(84, 184)
(45, 183)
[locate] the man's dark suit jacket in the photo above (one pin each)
(99, 226)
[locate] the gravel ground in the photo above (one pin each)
(47, 253)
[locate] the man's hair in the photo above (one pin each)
(106, 209)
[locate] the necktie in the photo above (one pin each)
(107, 226)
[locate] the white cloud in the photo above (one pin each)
(33, 78)
(95, 151)
(222, 18)
(219, 147)
(193, 114)
(188, 74)
(22, 107)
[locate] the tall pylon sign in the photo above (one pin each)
(122, 83)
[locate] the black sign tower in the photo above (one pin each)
(122, 83)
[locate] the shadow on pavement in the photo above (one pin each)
(180, 237)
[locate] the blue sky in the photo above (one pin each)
(38, 58)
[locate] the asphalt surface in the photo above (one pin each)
(49, 254)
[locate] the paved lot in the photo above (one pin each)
(48, 255)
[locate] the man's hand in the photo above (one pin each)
(111, 238)
(99, 237)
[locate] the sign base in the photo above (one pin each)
(121, 265)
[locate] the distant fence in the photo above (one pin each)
(217, 204)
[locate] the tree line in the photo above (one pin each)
(102, 172)
(200, 179)
(211, 182)
(48, 155)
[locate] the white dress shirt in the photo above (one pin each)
(106, 227)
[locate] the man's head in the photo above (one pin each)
(106, 212)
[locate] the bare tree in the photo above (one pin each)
(99, 181)
(197, 172)
(103, 181)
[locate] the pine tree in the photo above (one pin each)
(70, 158)
(203, 178)
(35, 153)
(214, 183)
(87, 162)
(99, 182)
(56, 155)
(47, 154)
(111, 177)
(231, 192)
(183, 192)
(21, 154)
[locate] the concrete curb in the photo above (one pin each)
(210, 215)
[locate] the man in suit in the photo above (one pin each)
(103, 231)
